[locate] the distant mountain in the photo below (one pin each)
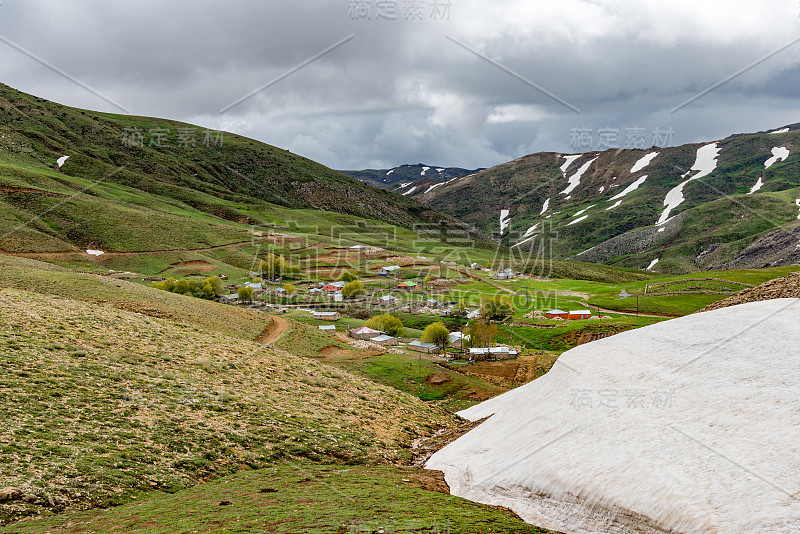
(404, 177)
(157, 184)
(733, 203)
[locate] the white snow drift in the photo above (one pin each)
(95, 252)
(545, 206)
(575, 179)
(778, 153)
(61, 161)
(704, 164)
(579, 219)
(568, 161)
(643, 162)
(505, 220)
(652, 264)
(686, 426)
(630, 189)
(758, 185)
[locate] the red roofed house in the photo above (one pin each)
(552, 314)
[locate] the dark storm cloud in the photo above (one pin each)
(400, 91)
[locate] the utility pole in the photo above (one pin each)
(637, 305)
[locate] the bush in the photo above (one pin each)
(348, 276)
(352, 289)
(438, 334)
(290, 289)
(246, 293)
(386, 323)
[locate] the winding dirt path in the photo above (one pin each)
(274, 331)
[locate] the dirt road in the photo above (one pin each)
(274, 331)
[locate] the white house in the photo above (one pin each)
(385, 340)
(500, 352)
(328, 328)
(419, 346)
(327, 316)
(390, 270)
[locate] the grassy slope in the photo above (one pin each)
(299, 497)
(101, 404)
(232, 181)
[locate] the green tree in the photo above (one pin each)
(348, 276)
(246, 294)
(216, 285)
(481, 334)
(438, 334)
(496, 306)
(182, 287)
(290, 289)
(386, 323)
(352, 289)
(460, 309)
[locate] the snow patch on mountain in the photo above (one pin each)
(505, 220)
(390, 172)
(584, 210)
(61, 161)
(409, 191)
(545, 206)
(579, 219)
(705, 163)
(575, 179)
(424, 170)
(652, 264)
(614, 205)
(759, 184)
(568, 161)
(778, 153)
(782, 130)
(643, 162)
(631, 188)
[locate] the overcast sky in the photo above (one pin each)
(464, 83)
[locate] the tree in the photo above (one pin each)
(496, 306)
(438, 334)
(481, 334)
(348, 276)
(460, 309)
(386, 323)
(290, 289)
(352, 289)
(212, 287)
(246, 293)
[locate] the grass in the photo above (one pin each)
(296, 497)
(102, 404)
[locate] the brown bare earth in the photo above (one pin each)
(510, 373)
(338, 353)
(274, 331)
(786, 287)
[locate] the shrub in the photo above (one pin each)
(352, 289)
(386, 323)
(438, 334)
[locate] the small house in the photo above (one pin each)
(580, 314)
(427, 348)
(330, 328)
(408, 287)
(391, 270)
(387, 299)
(433, 303)
(315, 290)
(358, 248)
(364, 333)
(552, 314)
(255, 287)
(333, 287)
(384, 340)
(499, 353)
(457, 339)
(327, 316)
(474, 314)
(506, 274)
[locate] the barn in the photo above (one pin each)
(579, 314)
(552, 314)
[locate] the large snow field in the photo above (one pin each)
(687, 426)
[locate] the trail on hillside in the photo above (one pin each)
(274, 331)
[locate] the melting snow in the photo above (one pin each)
(530, 230)
(61, 161)
(652, 264)
(505, 220)
(410, 191)
(798, 205)
(575, 179)
(390, 172)
(584, 210)
(759, 185)
(661, 229)
(545, 206)
(525, 241)
(602, 188)
(405, 184)
(631, 188)
(95, 252)
(440, 170)
(704, 164)
(424, 170)
(579, 219)
(568, 162)
(614, 205)
(778, 153)
(643, 162)
(782, 130)
(691, 422)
